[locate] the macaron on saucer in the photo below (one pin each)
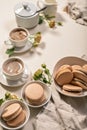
(36, 94)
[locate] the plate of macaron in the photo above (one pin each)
(14, 114)
(70, 76)
(36, 94)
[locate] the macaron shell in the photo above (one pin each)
(18, 120)
(72, 88)
(65, 66)
(76, 67)
(34, 92)
(71, 93)
(14, 115)
(79, 83)
(10, 110)
(80, 75)
(63, 77)
(38, 102)
(85, 67)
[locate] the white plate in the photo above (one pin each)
(71, 61)
(16, 83)
(47, 92)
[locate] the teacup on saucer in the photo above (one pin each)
(18, 37)
(13, 68)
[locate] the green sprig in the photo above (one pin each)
(10, 51)
(8, 96)
(43, 74)
(60, 23)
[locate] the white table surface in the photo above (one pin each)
(68, 40)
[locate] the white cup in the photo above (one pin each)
(51, 7)
(13, 68)
(18, 37)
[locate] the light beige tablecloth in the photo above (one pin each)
(64, 113)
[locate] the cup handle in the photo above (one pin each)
(7, 42)
(39, 3)
(25, 76)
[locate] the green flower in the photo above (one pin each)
(38, 74)
(43, 74)
(43, 65)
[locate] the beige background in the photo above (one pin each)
(68, 40)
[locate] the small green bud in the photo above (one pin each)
(43, 65)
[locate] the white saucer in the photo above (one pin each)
(47, 93)
(16, 83)
(19, 50)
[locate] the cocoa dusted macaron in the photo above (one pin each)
(34, 92)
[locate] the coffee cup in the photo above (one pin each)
(18, 37)
(51, 7)
(13, 68)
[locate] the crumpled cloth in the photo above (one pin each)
(78, 10)
(63, 113)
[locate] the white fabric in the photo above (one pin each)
(65, 113)
(78, 10)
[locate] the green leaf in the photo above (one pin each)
(38, 33)
(43, 65)
(59, 23)
(45, 80)
(41, 19)
(46, 71)
(1, 101)
(7, 95)
(10, 51)
(38, 74)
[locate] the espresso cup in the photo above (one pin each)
(13, 68)
(18, 37)
(51, 7)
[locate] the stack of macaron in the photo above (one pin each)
(72, 78)
(34, 93)
(14, 115)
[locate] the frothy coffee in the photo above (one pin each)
(18, 34)
(13, 67)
